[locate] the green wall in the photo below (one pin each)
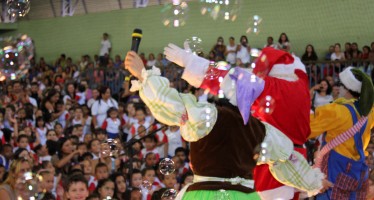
(319, 22)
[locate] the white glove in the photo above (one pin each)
(178, 55)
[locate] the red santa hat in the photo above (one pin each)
(277, 63)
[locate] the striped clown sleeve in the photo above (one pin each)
(172, 108)
(287, 165)
(339, 140)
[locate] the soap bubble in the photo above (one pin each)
(15, 56)
(146, 185)
(227, 10)
(167, 166)
(18, 8)
(175, 13)
(27, 186)
(267, 105)
(109, 147)
(195, 45)
(169, 194)
(254, 25)
(222, 195)
(212, 73)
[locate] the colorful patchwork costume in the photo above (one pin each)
(345, 164)
(222, 147)
(281, 78)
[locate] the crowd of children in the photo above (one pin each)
(97, 148)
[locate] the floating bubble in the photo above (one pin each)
(195, 45)
(27, 186)
(167, 166)
(212, 72)
(18, 8)
(146, 185)
(226, 10)
(15, 57)
(222, 195)
(255, 52)
(254, 25)
(222, 65)
(109, 147)
(175, 13)
(169, 194)
(267, 105)
(207, 116)
(220, 94)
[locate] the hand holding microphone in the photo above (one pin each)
(133, 63)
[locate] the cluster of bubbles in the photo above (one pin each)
(226, 10)
(175, 13)
(18, 8)
(27, 186)
(212, 73)
(222, 195)
(194, 45)
(110, 148)
(267, 105)
(146, 185)
(169, 194)
(254, 25)
(206, 116)
(15, 56)
(166, 166)
(264, 154)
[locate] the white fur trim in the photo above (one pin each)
(287, 72)
(349, 80)
(195, 70)
(279, 193)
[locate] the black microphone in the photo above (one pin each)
(136, 37)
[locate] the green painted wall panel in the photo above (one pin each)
(319, 22)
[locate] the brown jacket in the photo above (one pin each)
(227, 151)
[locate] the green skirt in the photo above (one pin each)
(219, 195)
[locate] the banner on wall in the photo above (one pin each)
(141, 3)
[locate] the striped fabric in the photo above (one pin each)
(169, 107)
(287, 165)
(339, 140)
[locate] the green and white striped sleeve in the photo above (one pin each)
(172, 108)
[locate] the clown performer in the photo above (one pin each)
(282, 100)
(222, 147)
(345, 165)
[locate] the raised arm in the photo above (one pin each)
(168, 106)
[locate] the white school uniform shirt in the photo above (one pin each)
(100, 108)
(105, 46)
(62, 118)
(42, 135)
(174, 141)
(243, 54)
(112, 126)
(231, 57)
(128, 120)
(161, 137)
(82, 98)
